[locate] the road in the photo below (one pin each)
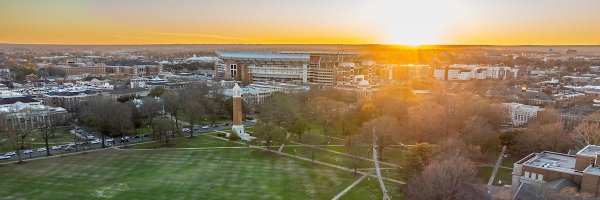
(116, 142)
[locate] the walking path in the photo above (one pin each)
(498, 162)
(341, 153)
(283, 144)
(378, 170)
(349, 187)
(310, 160)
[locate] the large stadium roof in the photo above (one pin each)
(245, 55)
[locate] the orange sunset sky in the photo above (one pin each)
(493, 22)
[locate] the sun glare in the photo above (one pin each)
(417, 23)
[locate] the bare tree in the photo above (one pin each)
(164, 128)
(46, 133)
(450, 178)
(385, 130)
(586, 133)
(17, 129)
(173, 105)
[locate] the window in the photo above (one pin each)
(527, 174)
(533, 175)
(540, 177)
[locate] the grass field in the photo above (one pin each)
(240, 173)
(504, 175)
(198, 140)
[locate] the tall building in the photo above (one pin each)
(238, 124)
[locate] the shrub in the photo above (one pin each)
(234, 136)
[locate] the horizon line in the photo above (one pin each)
(348, 44)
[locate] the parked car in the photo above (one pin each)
(55, 147)
(70, 148)
(4, 157)
(28, 151)
(110, 140)
(205, 127)
(10, 154)
(136, 136)
(95, 141)
(41, 150)
(146, 135)
(185, 130)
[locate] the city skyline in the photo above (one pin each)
(455, 22)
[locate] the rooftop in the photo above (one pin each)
(590, 151)
(245, 55)
(12, 100)
(552, 160)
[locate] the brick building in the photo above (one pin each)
(556, 170)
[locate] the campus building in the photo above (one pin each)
(474, 72)
(519, 114)
(68, 100)
(22, 111)
(260, 67)
(557, 171)
(332, 68)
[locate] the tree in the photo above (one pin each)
(164, 129)
(449, 178)
(543, 133)
(151, 108)
(325, 110)
(586, 133)
(173, 105)
(194, 104)
(106, 117)
(348, 125)
(417, 158)
(17, 130)
(46, 133)
(384, 130)
(156, 92)
(268, 133)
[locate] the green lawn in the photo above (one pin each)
(175, 174)
(239, 173)
(364, 188)
(504, 175)
(198, 140)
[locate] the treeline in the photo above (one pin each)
(165, 112)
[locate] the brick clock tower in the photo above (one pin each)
(238, 124)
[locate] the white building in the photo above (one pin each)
(468, 72)
(257, 93)
(520, 114)
(24, 110)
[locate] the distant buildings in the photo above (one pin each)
(557, 171)
(474, 72)
(257, 93)
(520, 114)
(69, 100)
(300, 67)
(135, 92)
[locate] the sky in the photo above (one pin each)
(408, 22)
